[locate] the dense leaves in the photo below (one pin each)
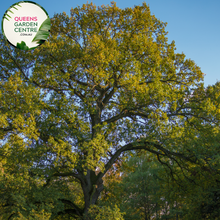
(107, 82)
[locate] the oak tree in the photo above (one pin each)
(105, 83)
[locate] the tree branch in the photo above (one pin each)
(79, 211)
(68, 211)
(144, 145)
(77, 176)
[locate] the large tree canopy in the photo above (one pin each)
(106, 82)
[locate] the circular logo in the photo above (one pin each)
(26, 25)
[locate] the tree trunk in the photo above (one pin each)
(92, 188)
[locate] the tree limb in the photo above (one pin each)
(144, 145)
(79, 211)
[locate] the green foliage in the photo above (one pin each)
(147, 190)
(105, 83)
(141, 189)
(141, 194)
(104, 213)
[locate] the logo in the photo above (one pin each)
(26, 25)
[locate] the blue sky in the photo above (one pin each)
(193, 24)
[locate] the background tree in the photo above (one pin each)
(106, 82)
(140, 190)
(147, 190)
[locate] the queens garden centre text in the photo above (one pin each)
(27, 24)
